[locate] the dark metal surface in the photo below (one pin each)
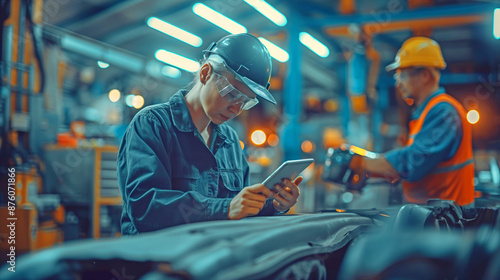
(424, 254)
(249, 248)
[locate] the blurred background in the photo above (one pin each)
(74, 74)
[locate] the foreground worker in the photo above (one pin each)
(179, 163)
(437, 160)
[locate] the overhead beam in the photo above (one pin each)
(394, 14)
(97, 50)
(446, 79)
(103, 15)
(370, 28)
(308, 7)
(130, 32)
(373, 28)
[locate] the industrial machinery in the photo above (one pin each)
(24, 128)
(340, 166)
(52, 173)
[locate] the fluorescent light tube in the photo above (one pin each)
(276, 52)
(218, 19)
(496, 23)
(102, 64)
(176, 60)
(313, 44)
(268, 11)
(174, 31)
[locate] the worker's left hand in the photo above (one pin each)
(286, 196)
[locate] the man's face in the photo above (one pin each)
(226, 98)
(409, 81)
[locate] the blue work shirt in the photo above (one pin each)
(437, 141)
(167, 174)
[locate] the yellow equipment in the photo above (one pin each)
(418, 52)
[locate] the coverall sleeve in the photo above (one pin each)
(437, 141)
(146, 182)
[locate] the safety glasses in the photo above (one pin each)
(404, 76)
(233, 95)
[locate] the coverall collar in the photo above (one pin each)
(180, 113)
(182, 120)
(416, 113)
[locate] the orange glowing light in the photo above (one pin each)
(331, 105)
(273, 140)
(307, 146)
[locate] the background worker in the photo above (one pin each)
(437, 160)
(180, 163)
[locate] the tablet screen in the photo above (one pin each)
(289, 169)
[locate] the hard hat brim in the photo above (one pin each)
(397, 64)
(258, 89)
(393, 66)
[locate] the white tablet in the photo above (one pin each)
(289, 169)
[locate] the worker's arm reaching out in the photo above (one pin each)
(437, 141)
(381, 167)
(375, 167)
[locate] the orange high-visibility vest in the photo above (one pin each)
(452, 179)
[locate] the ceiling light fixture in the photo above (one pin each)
(218, 19)
(313, 44)
(276, 52)
(174, 31)
(176, 60)
(268, 11)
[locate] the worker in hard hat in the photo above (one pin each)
(180, 163)
(437, 160)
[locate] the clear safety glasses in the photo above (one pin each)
(233, 95)
(404, 76)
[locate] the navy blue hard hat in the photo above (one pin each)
(248, 59)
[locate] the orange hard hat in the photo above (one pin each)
(418, 52)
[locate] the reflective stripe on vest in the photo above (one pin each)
(452, 167)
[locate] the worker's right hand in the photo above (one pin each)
(357, 164)
(248, 202)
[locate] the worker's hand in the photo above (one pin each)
(357, 164)
(287, 195)
(248, 202)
